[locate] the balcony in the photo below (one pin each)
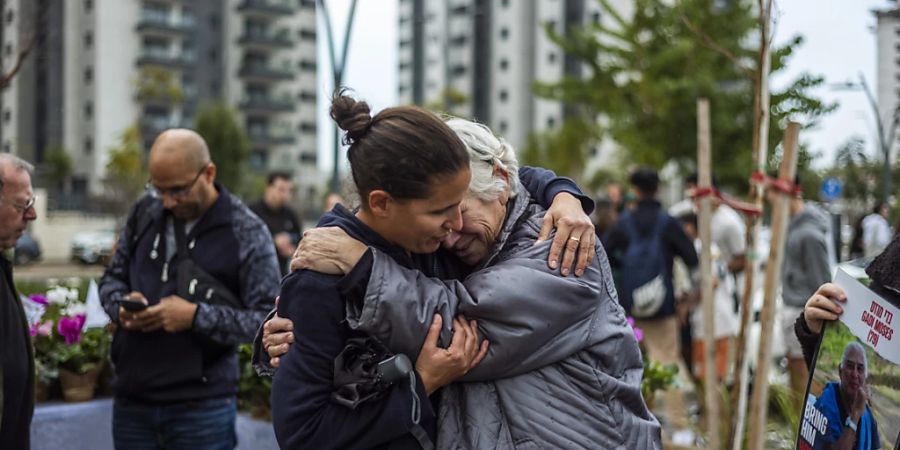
(165, 58)
(266, 8)
(266, 40)
(263, 72)
(264, 104)
(152, 125)
(162, 24)
(261, 137)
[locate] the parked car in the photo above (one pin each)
(92, 247)
(27, 250)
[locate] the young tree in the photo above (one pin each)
(227, 141)
(645, 72)
(126, 170)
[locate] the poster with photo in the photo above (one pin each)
(853, 396)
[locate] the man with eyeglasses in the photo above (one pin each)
(193, 276)
(16, 359)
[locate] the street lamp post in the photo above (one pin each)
(884, 142)
(337, 71)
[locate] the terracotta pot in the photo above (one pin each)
(41, 391)
(79, 387)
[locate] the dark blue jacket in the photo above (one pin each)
(302, 411)
(230, 243)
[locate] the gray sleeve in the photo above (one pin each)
(258, 280)
(531, 316)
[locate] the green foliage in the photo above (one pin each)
(644, 74)
(59, 166)
(228, 144)
(157, 84)
(657, 377)
(563, 150)
(447, 102)
(253, 390)
(126, 171)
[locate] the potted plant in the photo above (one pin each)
(63, 347)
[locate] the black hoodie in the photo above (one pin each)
(303, 413)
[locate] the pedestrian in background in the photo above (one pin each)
(283, 224)
(876, 230)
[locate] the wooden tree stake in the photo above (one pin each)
(780, 219)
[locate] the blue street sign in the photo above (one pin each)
(831, 189)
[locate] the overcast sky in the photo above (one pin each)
(840, 44)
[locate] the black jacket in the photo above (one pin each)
(230, 243)
(16, 366)
(303, 414)
(675, 243)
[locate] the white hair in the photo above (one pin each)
(14, 162)
(862, 351)
(487, 151)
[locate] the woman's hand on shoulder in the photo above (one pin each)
(575, 236)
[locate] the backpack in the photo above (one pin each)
(645, 281)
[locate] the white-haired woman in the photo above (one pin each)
(563, 369)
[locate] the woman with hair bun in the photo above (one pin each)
(411, 172)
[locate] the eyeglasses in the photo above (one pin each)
(174, 192)
(22, 207)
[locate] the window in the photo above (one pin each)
(214, 21)
(307, 96)
(595, 17)
(88, 39)
(307, 65)
(213, 55)
(88, 145)
(8, 49)
(458, 70)
(308, 158)
(458, 41)
(404, 43)
(88, 75)
(504, 3)
(551, 57)
(88, 109)
(309, 4)
(504, 33)
(308, 127)
(504, 64)
(503, 127)
(503, 95)
(460, 10)
(307, 35)
(88, 5)
(551, 122)
(10, 15)
(6, 147)
(7, 116)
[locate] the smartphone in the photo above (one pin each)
(130, 304)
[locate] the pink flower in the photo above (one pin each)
(70, 328)
(37, 298)
(42, 329)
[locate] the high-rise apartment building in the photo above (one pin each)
(888, 72)
(480, 58)
(102, 66)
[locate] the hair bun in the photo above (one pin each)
(351, 116)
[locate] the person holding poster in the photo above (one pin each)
(845, 404)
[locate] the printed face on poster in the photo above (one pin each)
(853, 397)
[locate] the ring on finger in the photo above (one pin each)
(574, 238)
